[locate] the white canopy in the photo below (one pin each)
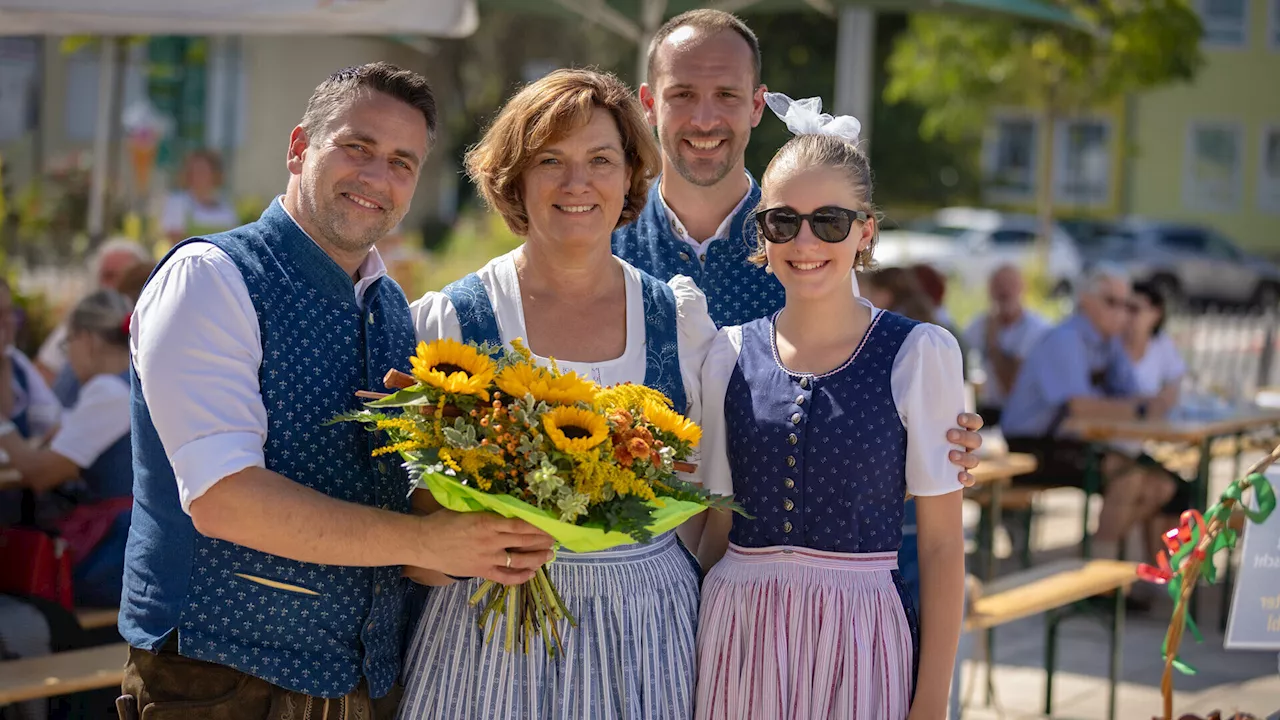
(437, 18)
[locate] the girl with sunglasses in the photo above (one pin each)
(820, 419)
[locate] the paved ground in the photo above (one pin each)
(1230, 681)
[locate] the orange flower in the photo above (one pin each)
(638, 447)
(634, 444)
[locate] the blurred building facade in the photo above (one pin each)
(1207, 152)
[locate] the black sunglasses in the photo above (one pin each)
(829, 223)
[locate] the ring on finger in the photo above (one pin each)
(508, 559)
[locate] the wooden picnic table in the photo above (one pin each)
(1202, 433)
(1174, 431)
(993, 475)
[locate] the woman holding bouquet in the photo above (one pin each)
(819, 420)
(568, 160)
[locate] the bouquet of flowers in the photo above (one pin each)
(484, 428)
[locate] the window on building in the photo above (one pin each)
(1226, 22)
(19, 63)
(1273, 24)
(1082, 163)
(83, 82)
(1269, 170)
(1011, 158)
(1212, 172)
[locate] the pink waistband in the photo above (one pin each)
(853, 562)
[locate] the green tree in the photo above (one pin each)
(958, 68)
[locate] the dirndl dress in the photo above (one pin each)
(631, 656)
(807, 615)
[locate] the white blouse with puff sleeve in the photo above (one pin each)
(928, 389)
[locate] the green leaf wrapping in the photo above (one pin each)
(453, 495)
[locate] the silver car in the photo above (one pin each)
(1191, 263)
(968, 244)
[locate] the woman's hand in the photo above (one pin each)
(965, 436)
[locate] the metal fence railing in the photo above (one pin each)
(1229, 353)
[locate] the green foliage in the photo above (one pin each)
(625, 513)
(958, 68)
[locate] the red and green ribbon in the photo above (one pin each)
(1181, 543)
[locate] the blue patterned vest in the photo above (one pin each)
(661, 348)
(319, 348)
(737, 291)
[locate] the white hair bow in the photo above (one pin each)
(805, 117)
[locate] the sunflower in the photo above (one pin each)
(520, 380)
(453, 367)
(574, 430)
(628, 396)
(669, 421)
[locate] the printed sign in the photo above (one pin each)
(1255, 605)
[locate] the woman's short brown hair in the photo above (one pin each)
(545, 111)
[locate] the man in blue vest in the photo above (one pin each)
(704, 95)
(263, 570)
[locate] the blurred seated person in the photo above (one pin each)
(1079, 370)
(25, 398)
(198, 208)
(1158, 370)
(897, 290)
(134, 279)
(1156, 361)
(934, 285)
(1003, 336)
(110, 264)
(92, 444)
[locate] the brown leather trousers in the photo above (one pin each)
(168, 686)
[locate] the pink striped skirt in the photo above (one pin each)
(793, 633)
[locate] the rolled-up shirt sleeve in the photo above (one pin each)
(197, 350)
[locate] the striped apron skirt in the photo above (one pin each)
(793, 633)
(631, 657)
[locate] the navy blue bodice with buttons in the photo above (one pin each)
(820, 461)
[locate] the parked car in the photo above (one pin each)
(1191, 263)
(967, 244)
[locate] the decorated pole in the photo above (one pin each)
(1191, 547)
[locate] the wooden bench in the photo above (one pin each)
(1044, 590)
(62, 673)
(97, 618)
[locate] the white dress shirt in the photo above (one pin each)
(197, 351)
(927, 383)
(1159, 366)
(99, 418)
(677, 225)
(1016, 340)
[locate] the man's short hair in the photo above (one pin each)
(1099, 274)
(338, 89)
(709, 22)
